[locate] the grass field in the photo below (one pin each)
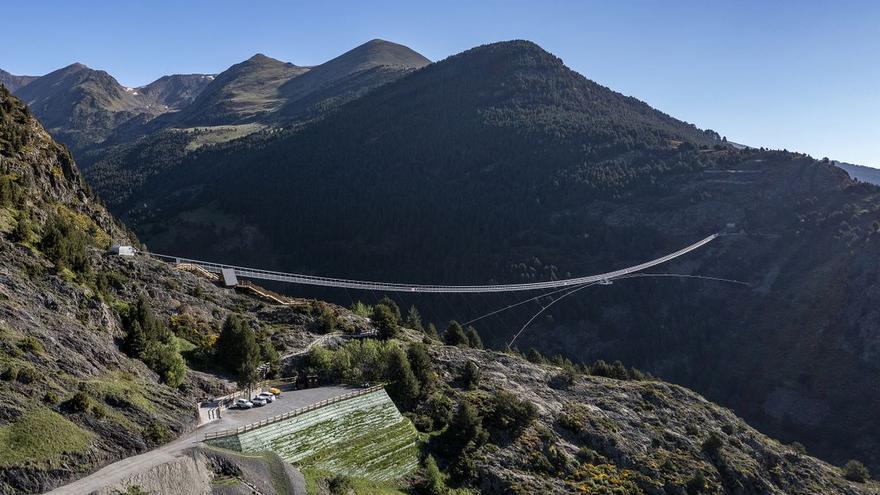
(40, 437)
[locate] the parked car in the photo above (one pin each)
(275, 391)
(243, 404)
(258, 401)
(269, 397)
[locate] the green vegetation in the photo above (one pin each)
(386, 318)
(41, 436)
(238, 351)
(454, 335)
(149, 340)
(470, 376)
(854, 470)
(65, 245)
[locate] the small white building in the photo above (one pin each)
(120, 250)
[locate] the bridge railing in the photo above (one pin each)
(290, 414)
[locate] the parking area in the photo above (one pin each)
(287, 401)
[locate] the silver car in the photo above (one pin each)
(258, 401)
(267, 396)
(243, 404)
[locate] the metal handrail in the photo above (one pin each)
(290, 414)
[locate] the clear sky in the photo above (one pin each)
(802, 75)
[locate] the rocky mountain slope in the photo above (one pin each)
(501, 164)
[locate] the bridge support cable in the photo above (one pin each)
(576, 289)
(295, 278)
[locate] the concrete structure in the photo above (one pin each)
(121, 250)
(364, 435)
(229, 277)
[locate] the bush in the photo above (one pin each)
(510, 414)
(854, 470)
(713, 443)
(157, 433)
(325, 321)
(79, 403)
(166, 360)
(433, 483)
(65, 245)
(465, 431)
(32, 345)
(340, 485)
(470, 376)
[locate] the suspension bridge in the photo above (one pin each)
(302, 279)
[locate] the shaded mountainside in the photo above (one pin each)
(61, 303)
(175, 91)
(501, 164)
(860, 172)
(13, 82)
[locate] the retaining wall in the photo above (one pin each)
(362, 436)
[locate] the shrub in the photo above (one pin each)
(697, 484)
(713, 443)
(79, 403)
(340, 485)
(433, 483)
(51, 398)
(157, 433)
(510, 414)
(325, 321)
(470, 376)
(65, 245)
(854, 470)
(414, 319)
(798, 448)
(32, 345)
(465, 431)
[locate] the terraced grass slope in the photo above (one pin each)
(365, 436)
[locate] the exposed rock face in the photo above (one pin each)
(633, 436)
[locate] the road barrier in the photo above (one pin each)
(290, 414)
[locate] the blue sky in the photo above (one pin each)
(799, 75)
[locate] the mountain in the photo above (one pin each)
(862, 173)
(13, 82)
(500, 164)
(349, 75)
(176, 91)
(82, 106)
(241, 93)
(76, 397)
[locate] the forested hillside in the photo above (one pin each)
(501, 164)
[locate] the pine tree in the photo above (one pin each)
(473, 338)
(385, 321)
(421, 366)
(464, 431)
(404, 386)
(454, 334)
(431, 332)
(414, 319)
